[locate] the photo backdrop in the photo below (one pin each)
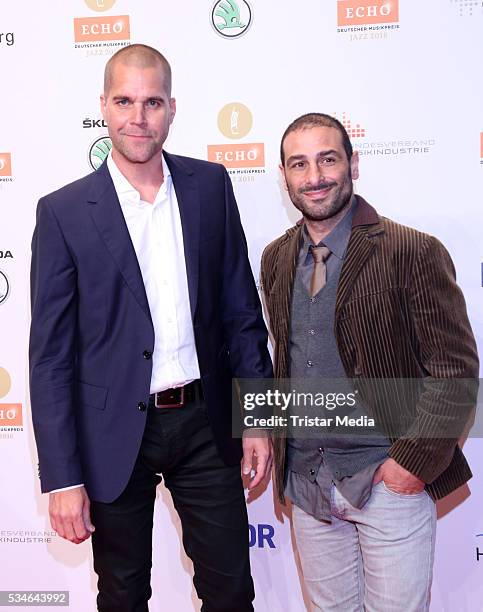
(405, 78)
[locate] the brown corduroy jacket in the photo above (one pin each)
(399, 314)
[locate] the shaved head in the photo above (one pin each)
(140, 56)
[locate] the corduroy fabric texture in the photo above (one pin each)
(399, 314)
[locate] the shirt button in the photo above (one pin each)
(142, 406)
(321, 450)
(147, 354)
(310, 363)
(312, 472)
(312, 300)
(312, 332)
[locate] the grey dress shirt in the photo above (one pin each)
(310, 488)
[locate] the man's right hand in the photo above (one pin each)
(70, 514)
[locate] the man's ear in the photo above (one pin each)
(102, 101)
(172, 109)
(282, 172)
(355, 165)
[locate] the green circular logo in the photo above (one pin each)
(99, 151)
(4, 287)
(231, 18)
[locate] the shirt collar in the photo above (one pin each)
(126, 193)
(337, 240)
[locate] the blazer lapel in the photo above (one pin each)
(281, 296)
(107, 215)
(187, 194)
(365, 225)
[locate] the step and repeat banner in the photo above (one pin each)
(404, 76)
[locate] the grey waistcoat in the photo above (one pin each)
(312, 464)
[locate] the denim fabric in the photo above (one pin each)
(375, 559)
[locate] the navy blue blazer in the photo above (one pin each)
(91, 324)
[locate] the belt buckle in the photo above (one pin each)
(177, 404)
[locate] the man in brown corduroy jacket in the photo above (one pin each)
(352, 295)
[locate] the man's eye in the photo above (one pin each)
(123, 102)
(153, 103)
(328, 160)
(298, 165)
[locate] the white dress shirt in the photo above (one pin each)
(157, 237)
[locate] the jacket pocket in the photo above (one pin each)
(90, 395)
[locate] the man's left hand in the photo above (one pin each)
(397, 478)
(257, 455)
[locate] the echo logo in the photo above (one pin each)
(235, 120)
(250, 155)
(101, 28)
(5, 164)
(11, 415)
(362, 12)
(100, 5)
(261, 536)
(5, 382)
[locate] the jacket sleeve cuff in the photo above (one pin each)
(423, 457)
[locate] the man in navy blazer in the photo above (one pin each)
(143, 309)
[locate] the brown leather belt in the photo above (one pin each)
(176, 397)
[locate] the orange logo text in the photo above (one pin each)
(10, 415)
(250, 155)
(101, 28)
(5, 164)
(361, 12)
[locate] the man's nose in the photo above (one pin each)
(314, 173)
(138, 114)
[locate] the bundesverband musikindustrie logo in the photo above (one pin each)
(384, 145)
(468, 8)
(231, 18)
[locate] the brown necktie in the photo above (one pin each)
(319, 273)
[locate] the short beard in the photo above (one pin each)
(313, 213)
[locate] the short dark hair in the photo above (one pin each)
(311, 120)
(142, 56)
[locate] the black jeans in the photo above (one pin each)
(208, 496)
